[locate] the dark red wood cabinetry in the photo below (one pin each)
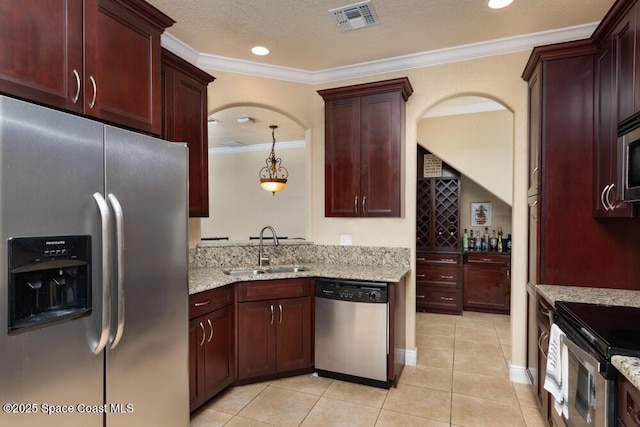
(568, 246)
(439, 282)
(628, 403)
(275, 329)
(184, 119)
(614, 101)
(100, 58)
(487, 282)
(211, 344)
(364, 133)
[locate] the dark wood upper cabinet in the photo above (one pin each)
(364, 134)
(184, 119)
(100, 58)
(41, 51)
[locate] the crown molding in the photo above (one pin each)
(399, 63)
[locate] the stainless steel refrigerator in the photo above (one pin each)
(93, 267)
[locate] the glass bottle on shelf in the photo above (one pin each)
(500, 246)
(478, 241)
(493, 242)
(465, 241)
(471, 242)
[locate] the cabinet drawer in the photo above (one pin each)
(273, 289)
(628, 402)
(490, 259)
(438, 299)
(439, 259)
(438, 275)
(208, 301)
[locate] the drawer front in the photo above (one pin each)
(438, 275)
(274, 289)
(439, 259)
(208, 301)
(491, 259)
(628, 402)
(438, 299)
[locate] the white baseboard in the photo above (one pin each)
(410, 356)
(518, 374)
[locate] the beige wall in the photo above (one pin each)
(495, 77)
(480, 144)
(239, 208)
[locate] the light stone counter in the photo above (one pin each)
(553, 293)
(628, 366)
(203, 279)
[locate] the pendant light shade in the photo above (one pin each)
(273, 176)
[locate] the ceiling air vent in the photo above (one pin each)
(355, 16)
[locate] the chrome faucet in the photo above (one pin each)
(263, 260)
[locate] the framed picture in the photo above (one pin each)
(481, 214)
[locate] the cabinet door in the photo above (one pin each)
(605, 127)
(486, 287)
(342, 158)
(219, 364)
(380, 141)
(196, 363)
(256, 339)
(625, 41)
(122, 67)
(41, 51)
(184, 101)
(293, 334)
(535, 126)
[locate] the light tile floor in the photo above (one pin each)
(461, 379)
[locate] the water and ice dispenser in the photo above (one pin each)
(49, 280)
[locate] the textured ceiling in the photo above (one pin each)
(301, 33)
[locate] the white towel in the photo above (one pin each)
(556, 380)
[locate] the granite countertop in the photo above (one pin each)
(203, 279)
(627, 366)
(553, 293)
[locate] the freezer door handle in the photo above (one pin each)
(105, 216)
(117, 209)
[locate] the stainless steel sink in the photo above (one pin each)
(287, 269)
(244, 271)
(252, 271)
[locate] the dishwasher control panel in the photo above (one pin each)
(348, 290)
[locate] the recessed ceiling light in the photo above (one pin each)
(260, 50)
(245, 119)
(499, 4)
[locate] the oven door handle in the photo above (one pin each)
(575, 349)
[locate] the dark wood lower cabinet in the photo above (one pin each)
(439, 283)
(487, 282)
(628, 403)
(275, 328)
(211, 344)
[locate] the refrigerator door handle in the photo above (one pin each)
(105, 217)
(117, 209)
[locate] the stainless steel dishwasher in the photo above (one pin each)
(352, 336)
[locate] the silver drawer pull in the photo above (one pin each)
(200, 304)
(486, 260)
(447, 260)
(420, 259)
(447, 277)
(421, 275)
(420, 296)
(446, 298)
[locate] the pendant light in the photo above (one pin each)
(273, 177)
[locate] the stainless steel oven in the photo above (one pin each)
(593, 333)
(590, 391)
